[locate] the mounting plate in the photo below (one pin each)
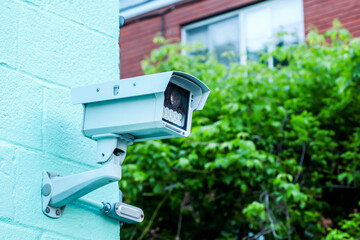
(46, 192)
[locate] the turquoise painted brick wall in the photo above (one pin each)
(46, 48)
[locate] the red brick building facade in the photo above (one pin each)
(137, 34)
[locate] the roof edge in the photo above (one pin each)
(147, 7)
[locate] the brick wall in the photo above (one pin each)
(321, 13)
(136, 37)
(47, 47)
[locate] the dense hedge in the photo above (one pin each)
(275, 152)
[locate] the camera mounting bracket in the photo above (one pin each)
(57, 191)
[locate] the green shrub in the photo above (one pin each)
(275, 151)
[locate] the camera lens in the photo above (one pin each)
(175, 99)
(176, 105)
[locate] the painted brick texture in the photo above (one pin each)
(46, 48)
(136, 37)
(320, 13)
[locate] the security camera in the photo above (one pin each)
(117, 114)
(149, 107)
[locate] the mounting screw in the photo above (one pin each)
(103, 154)
(57, 212)
(134, 84)
(47, 210)
(98, 89)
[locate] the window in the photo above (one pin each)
(251, 30)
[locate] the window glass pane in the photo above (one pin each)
(257, 30)
(255, 48)
(218, 37)
(257, 24)
(286, 13)
(287, 18)
(272, 24)
(224, 37)
(197, 35)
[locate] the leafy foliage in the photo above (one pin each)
(349, 228)
(275, 152)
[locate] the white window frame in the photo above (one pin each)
(242, 25)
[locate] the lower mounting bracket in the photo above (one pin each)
(53, 212)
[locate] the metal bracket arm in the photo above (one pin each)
(58, 191)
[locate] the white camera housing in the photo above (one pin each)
(148, 107)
